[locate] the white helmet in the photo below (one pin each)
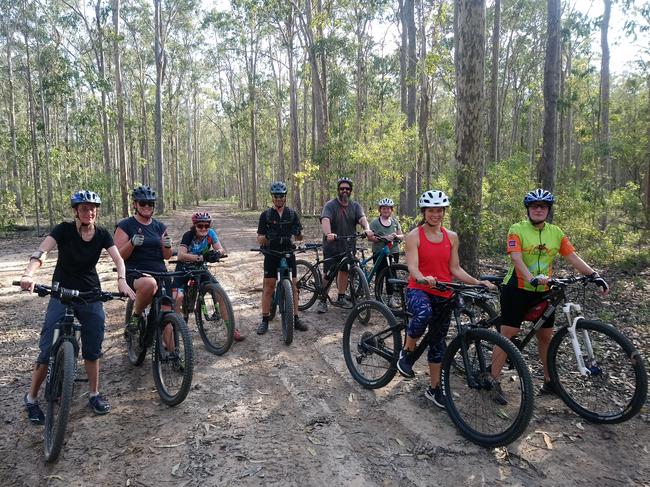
(386, 202)
(434, 199)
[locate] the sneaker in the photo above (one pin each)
(98, 404)
(344, 302)
(299, 325)
(405, 364)
(263, 327)
(237, 336)
(497, 394)
(547, 388)
(322, 307)
(436, 396)
(393, 302)
(34, 411)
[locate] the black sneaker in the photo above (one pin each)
(299, 325)
(344, 302)
(98, 404)
(405, 364)
(263, 327)
(547, 388)
(436, 396)
(34, 412)
(497, 394)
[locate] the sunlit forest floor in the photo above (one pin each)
(270, 414)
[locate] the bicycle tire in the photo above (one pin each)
(596, 397)
(286, 311)
(399, 271)
(472, 398)
(172, 373)
(215, 329)
(308, 283)
(135, 351)
(59, 400)
(358, 285)
(371, 344)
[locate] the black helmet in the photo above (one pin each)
(343, 179)
(85, 196)
(539, 195)
(278, 187)
(143, 193)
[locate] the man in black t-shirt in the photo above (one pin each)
(80, 244)
(276, 226)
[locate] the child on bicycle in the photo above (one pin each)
(386, 226)
(80, 244)
(195, 243)
(275, 228)
(431, 256)
(532, 245)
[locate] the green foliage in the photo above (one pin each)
(8, 211)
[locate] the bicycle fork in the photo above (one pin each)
(572, 313)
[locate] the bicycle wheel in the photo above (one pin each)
(215, 318)
(308, 283)
(371, 344)
(475, 313)
(136, 351)
(286, 311)
(486, 412)
(358, 285)
(398, 271)
(172, 369)
(59, 399)
(616, 386)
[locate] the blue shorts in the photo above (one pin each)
(90, 316)
(427, 311)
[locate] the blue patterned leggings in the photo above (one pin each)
(427, 310)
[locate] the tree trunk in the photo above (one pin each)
(293, 116)
(469, 131)
(160, 71)
(119, 94)
(493, 155)
(568, 126)
(101, 67)
(411, 89)
(15, 170)
(46, 153)
(424, 152)
(605, 155)
(547, 164)
(647, 174)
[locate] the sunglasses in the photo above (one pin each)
(146, 203)
(202, 226)
(346, 188)
(279, 195)
(538, 206)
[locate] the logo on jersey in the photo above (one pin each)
(512, 243)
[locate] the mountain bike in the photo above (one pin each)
(283, 294)
(204, 296)
(384, 291)
(172, 369)
(310, 278)
(594, 368)
(62, 364)
(486, 412)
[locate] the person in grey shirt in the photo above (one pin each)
(340, 216)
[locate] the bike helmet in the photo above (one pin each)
(343, 179)
(539, 195)
(278, 187)
(85, 196)
(386, 202)
(434, 199)
(201, 216)
(143, 193)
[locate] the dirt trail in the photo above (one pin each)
(268, 414)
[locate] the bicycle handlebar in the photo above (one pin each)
(292, 250)
(351, 237)
(65, 294)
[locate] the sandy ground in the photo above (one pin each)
(270, 414)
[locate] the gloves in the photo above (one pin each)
(137, 239)
(167, 241)
(599, 281)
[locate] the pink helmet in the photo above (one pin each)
(201, 216)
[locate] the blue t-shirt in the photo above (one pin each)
(199, 246)
(148, 256)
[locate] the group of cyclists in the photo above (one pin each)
(142, 242)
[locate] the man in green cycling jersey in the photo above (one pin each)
(532, 245)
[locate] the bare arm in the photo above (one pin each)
(363, 221)
(123, 243)
(122, 286)
(185, 256)
(26, 282)
(326, 226)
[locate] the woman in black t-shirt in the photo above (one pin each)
(80, 244)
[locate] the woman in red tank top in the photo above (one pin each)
(431, 256)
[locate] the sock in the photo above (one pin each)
(265, 319)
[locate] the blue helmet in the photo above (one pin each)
(143, 193)
(85, 196)
(539, 195)
(278, 187)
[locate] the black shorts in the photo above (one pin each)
(132, 276)
(516, 302)
(272, 263)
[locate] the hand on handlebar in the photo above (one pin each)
(540, 280)
(488, 285)
(124, 288)
(331, 237)
(600, 282)
(27, 283)
(430, 281)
